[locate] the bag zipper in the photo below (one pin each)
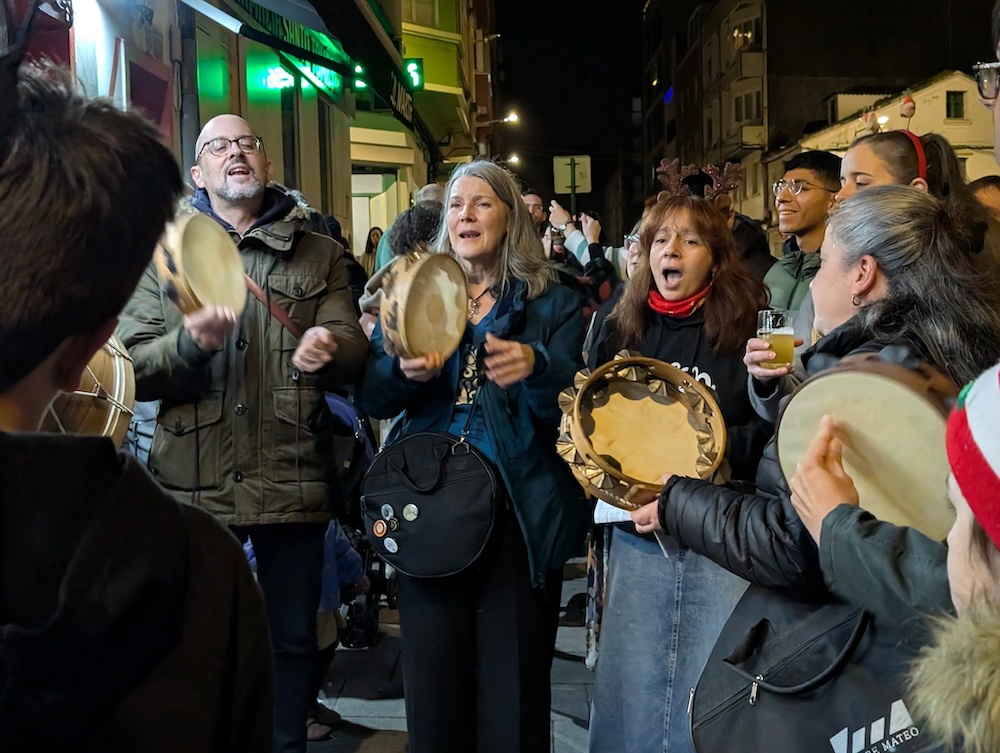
(731, 702)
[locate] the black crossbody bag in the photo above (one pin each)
(430, 502)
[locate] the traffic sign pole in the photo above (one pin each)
(572, 187)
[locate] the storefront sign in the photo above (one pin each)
(298, 35)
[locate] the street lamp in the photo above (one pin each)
(511, 117)
(513, 159)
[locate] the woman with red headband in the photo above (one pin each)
(895, 158)
(902, 158)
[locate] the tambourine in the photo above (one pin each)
(632, 420)
(102, 405)
(426, 305)
(199, 265)
(891, 419)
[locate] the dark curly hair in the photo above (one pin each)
(414, 228)
(77, 163)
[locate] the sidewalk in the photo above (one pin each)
(379, 726)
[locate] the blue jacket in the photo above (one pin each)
(341, 566)
(523, 420)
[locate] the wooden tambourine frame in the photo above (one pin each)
(891, 419)
(198, 264)
(426, 306)
(104, 403)
(665, 386)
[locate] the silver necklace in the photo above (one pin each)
(474, 304)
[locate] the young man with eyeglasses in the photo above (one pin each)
(988, 81)
(243, 430)
(803, 198)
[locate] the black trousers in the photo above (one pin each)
(477, 653)
(289, 569)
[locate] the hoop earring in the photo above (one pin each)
(855, 300)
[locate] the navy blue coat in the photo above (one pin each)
(522, 420)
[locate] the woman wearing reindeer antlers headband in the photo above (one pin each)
(689, 303)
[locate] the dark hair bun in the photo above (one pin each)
(963, 222)
(414, 228)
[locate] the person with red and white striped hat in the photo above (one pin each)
(957, 680)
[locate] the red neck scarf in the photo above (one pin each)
(677, 309)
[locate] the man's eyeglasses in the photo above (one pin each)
(796, 186)
(218, 147)
(988, 79)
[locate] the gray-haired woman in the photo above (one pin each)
(478, 646)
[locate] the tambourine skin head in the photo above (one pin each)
(426, 305)
(199, 264)
(891, 420)
(634, 419)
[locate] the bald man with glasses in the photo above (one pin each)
(243, 430)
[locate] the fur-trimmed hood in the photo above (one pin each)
(284, 215)
(956, 681)
(300, 211)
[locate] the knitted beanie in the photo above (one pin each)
(973, 442)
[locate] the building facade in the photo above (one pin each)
(358, 105)
(758, 75)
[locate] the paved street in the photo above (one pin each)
(379, 726)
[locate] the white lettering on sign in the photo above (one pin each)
(401, 99)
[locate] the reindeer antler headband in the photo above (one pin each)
(671, 176)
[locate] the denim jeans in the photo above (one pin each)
(289, 566)
(662, 616)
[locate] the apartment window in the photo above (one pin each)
(963, 164)
(758, 108)
(422, 12)
(755, 179)
(746, 108)
(955, 105)
(746, 33)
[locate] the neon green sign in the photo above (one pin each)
(312, 75)
(415, 73)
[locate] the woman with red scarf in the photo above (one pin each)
(689, 303)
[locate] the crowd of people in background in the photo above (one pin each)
(130, 612)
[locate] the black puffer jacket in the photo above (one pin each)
(758, 537)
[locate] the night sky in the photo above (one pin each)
(569, 68)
